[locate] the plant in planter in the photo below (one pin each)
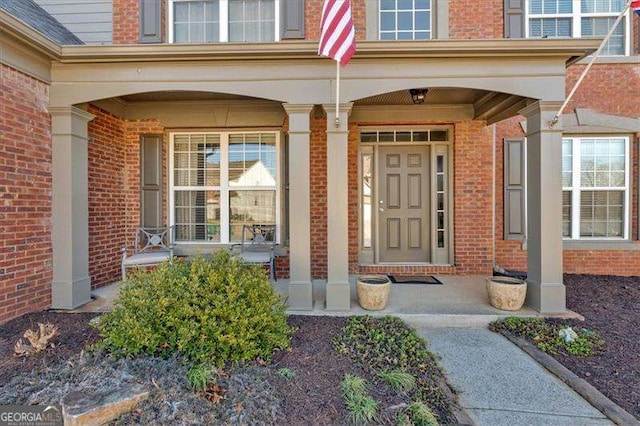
(373, 291)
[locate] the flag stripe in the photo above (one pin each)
(635, 5)
(337, 38)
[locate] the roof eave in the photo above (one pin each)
(571, 50)
(24, 33)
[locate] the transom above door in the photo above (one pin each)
(405, 216)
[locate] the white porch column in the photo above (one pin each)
(338, 288)
(300, 288)
(546, 291)
(71, 285)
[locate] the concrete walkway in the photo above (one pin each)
(498, 384)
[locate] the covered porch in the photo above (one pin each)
(480, 82)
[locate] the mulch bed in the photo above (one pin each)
(312, 396)
(74, 333)
(610, 305)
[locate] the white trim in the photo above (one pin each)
(224, 187)
(576, 188)
(576, 22)
(223, 20)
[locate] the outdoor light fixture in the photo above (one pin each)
(418, 95)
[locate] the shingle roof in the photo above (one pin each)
(36, 17)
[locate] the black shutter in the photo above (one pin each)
(151, 181)
(515, 226)
(150, 21)
(514, 16)
(292, 19)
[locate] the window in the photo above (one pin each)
(595, 188)
(221, 181)
(405, 19)
(212, 21)
(580, 18)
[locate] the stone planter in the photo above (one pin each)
(373, 291)
(506, 293)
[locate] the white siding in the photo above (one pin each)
(90, 20)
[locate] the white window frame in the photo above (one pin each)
(576, 24)
(576, 189)
(224, 187)
(413, 31)
(224, 20)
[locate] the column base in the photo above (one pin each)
(338, 297)
(300, 296)
(547, 298)
(70, 294)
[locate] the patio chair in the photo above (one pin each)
(258, 246)
(152, 247)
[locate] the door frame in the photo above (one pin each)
(370, 255)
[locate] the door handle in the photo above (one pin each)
(380, 209)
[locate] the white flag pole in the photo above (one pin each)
(337, 94)
(555, 119)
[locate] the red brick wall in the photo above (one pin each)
(126, 21)
(25, 195)
(313, 13)
(469, 19)
(318, 160)
(603, 92)
(107, 215)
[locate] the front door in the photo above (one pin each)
(403, 205)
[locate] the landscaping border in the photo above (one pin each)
(609, 408)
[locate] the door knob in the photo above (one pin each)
(380, 209)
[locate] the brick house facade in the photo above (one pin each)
(120, 114)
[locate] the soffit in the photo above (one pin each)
(435, 96)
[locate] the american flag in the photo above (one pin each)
(635, 5)
(338, 38)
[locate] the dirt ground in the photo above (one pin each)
(311, 396)
(610, 305)
(74, 333)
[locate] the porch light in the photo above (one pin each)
(418, 95)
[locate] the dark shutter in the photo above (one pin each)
(514, 16)
(150, 21)
(292, 19)
(514, 189)
(151, 181)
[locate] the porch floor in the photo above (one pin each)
(461, 301)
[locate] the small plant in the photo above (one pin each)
(552, 337)
(200, 376)
(286, 373)
(362, 408)
(38, 340)
(420, 415)
(399, 380)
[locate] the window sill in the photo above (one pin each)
(600, 245)
(205, 248)
(631, 59)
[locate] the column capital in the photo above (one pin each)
(297, 108)
(345, 108)
(71, 111)
(539, 116)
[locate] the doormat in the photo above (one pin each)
(414, 279)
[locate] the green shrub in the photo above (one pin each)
(208, 311)
(546, 335)
(361, 407)
(399, 380)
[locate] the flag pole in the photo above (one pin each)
(337, 94)
(555, 119)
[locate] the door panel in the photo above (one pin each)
(403, 208)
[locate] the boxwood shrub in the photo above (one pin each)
(215, 311)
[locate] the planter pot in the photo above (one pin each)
(506, 293)
(373, 291)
